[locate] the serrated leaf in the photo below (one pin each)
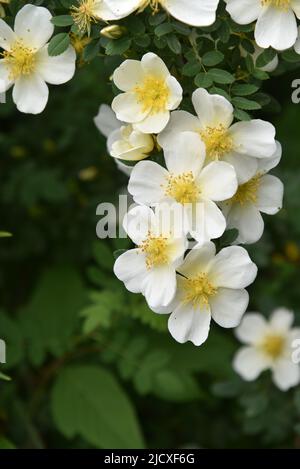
(58, 44)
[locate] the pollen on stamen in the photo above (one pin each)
(280, 4)
(154, 5)
(217, 141)
(183, 188)
(84, 15)
(273, 345)
(152, 94)
(156, 250)
(248, 192)
(20, 60)
(198, 290)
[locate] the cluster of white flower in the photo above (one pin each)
(214, 171)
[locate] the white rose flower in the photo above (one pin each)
(262, 193)
(150, 93)
(239, 144)
(26, 63)
(209, 286)
(131, 144)
(187, 182)
(276, 24)
(192, 12)
(150, 268)
(268, 346)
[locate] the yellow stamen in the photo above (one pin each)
(153, 94)
(217, 141)
(280, 4)
(198, 290)
(20, 60)
(154, 5)
(156, 250)
(247, 193)
(273, 345)
(183, 188)
(84, 14)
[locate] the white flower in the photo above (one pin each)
(193, 12)
(107, 123)
(150, 269)
(86, 12)
(209, 286)
(239, 144)
(26, 63)
(268, 346)
(262, 193)
(131, 144)
(276, 20)
(186, 182)
(150, 92)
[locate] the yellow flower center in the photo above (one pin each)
(198, 290)
(280, 4)
(247, 193)
(154, 5)
(183, 188)
(153, 94)
(84, 14)
(273, 345)
(156, 250)
(217, 141)
(20, 60)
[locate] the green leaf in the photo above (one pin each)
(87, 400)
(212, 58)
(244, 90)
(265, 57)
(203, 80)
(62, 20)
(163, 29)
(174, 44)
(58, 44)
(245, 104)
(221, 76)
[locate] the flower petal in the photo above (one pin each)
(266, 164)
(33, 25)
(270, 194)
(131, 269)
(252, 328)
(194, 13)
(228, 306)
(245, 166)
(286, 374)
(128, 75)
(206, 221)
(218, 181)
(254, 138)
(154, 65)
(7, 36)
(212, 109)
(189, 324)
(175, 90)
(138, 222)
(30, 94)
(180, 121)
(159, 287)
(56, 70)
(248, 221)
(5, 81)
(153, 123)
(277, 28)
(128, 109)
(249, 363)
(185, 154)
(106, 120)
(146, 182)
(233, 268)
(281, 319)
(243, 11)
(197, 260)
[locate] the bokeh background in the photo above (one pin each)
(90, 365)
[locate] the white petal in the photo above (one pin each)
(154, 65)
(153, 123)
(180, 121)
(218, 181)
(127, 170)
(243, 11)
(233, 268)
(189, 324)
(207, 222)
(106, 120)
(245, 166)
(185, 154)
(128, 75)
(266, 164)
(254, 138)
(5, 81)
(159, 287)
(176, 91)
(56, 70)
(138, 222)
(247, 219)
(281, 319)
(228, 306)
(276, 28)
(33, 25)
(212, 109)
(270, 194)
(195, 13)
(197, 260)
(131, 269)
(147, 181)
(104, 12)
(252, 328)
(30, 94)
(7, 36)
(286, 374)
(122, 8)
(128, 109)
(249, 363)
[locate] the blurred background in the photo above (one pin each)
(89, 364)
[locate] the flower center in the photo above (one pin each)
(273, 345)
(154, 5)
(217, 141)
(153, 94)
(84, 14)
(247, 192)
(280, 4)
(198, 290)
(156, 250)
(20, 60)
(183, 188)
